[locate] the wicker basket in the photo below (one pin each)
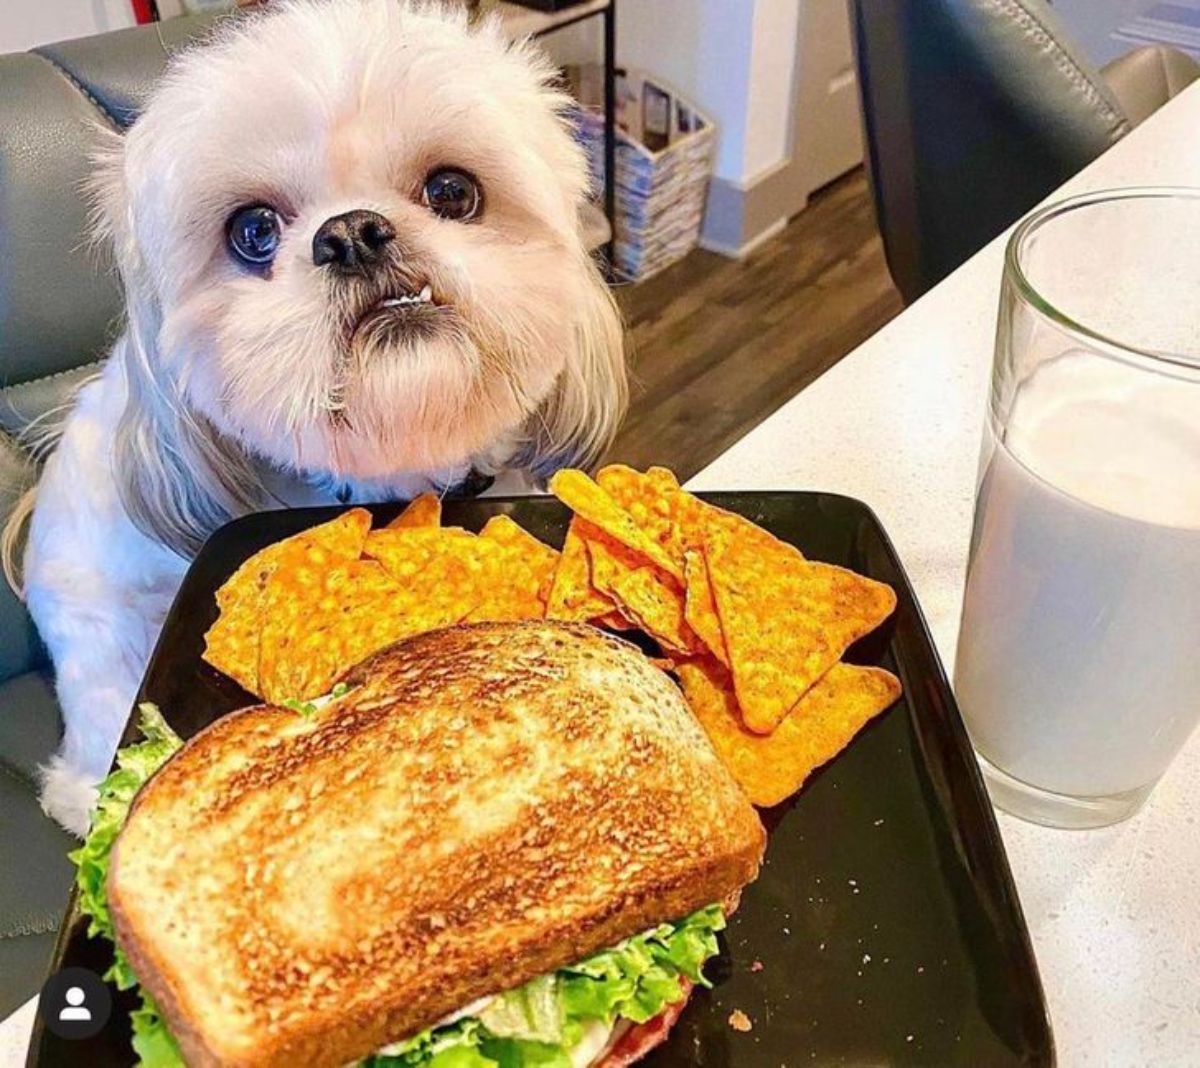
(660, 194)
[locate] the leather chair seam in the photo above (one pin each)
(56, 374)
(69, 76)
(1063, 60)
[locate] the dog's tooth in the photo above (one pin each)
(427, 294)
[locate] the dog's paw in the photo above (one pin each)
(68, 795)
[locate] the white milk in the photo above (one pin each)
(1079, 659)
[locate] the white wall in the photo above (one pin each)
(703, 48)
(770, 93)
(25, 24)
(733, 58)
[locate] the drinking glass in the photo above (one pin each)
(1078, 666)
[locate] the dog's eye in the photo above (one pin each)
(253, 233)
(452, 195)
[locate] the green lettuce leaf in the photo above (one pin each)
(454, 1046)
(135, 765)
(467, 1044)
(539, 1023)
(152, 1042)
(532, 1012)
(514, 1053)
(637, 979)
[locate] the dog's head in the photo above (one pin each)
(349, 234)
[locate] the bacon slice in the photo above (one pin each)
(640, 1039)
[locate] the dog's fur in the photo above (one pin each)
(232, 390)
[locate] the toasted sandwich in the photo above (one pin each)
(497, 844)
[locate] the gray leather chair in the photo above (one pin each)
(58, 306)
(975, 110)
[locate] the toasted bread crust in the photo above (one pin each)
(491, 802)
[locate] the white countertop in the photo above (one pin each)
(1114, 913)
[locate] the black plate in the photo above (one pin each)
(884, 928)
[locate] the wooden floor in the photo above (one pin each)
(718, 345)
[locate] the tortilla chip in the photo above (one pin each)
(521, 588)
(700, 610)
(538, 559)
(644, 594)
(662, 479)
(479, 579)
(588, 501)
(651, 499)
(322, 620)
(697, 518)
(572, 597)
(424, 511)
(786, 621)
(770, 768)
(648, 599)
(447, 568)
(676, 520)
(232, 642)
(613, 621)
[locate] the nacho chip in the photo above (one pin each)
(572, 597)
(644, 594)
(423, 511)
(322, 620)
(786, 620)
(478, 578)
(662, 479)
(677, 520)
(651, 499)
(647, 598)
(232, 642)
(697, 518)
(522, 586)
(540, 560)
(613, 621)
(442, 565)
(770, 768)
(588, 501)
(700, 610)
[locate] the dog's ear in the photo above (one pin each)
(178, 479)
(577, 423)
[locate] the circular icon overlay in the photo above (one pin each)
(75, 1003)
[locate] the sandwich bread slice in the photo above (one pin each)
(486, 827)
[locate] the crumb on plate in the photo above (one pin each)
(739, 1021)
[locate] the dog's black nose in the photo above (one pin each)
(353, 242)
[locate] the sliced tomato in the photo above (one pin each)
(640, 1039)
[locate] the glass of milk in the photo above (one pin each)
(1078, 667)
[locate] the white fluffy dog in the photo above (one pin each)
(348, 233)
